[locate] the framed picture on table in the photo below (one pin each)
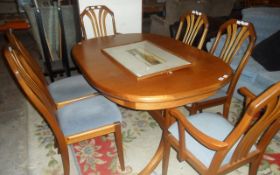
(145, 59)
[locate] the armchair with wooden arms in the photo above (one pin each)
(101, 20)
(212, 145)
(193, 25)
(231, 36)
(72, 123)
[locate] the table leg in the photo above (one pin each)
(159, 117)
(154, 161)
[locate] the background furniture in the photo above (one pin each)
(175, 8)
(270, 3)
(44, 23)
(49, 32)
(8, 6)
(213, 146)
(14, 24)
(234, 34)
(153, 6)
(266, 21)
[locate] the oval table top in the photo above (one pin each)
(195, 82)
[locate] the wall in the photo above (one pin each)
(128, 13)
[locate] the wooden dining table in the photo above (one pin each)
(205, 75)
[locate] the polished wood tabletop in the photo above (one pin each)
(202, 78)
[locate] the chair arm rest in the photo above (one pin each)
(248, 95)
(204, 139)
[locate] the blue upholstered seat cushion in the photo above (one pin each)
(212, 125)
(87, 114)
(70, 88)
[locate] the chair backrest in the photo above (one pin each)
(192, 24)
(32, 63)
(248, 139)
(260, 122)
(37, 94)
(236, 33)
(99, 17)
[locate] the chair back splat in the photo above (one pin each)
(99, 17)
(214, 146)
(236, 33)
(32, 63)
(192, 25)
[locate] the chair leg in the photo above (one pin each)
(226, 107)
(193, 109)
(65, 158)
(253, 169)
(166, 154)
(118, 140)
(56, 146)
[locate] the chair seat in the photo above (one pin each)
(97, 112)
(212, 125)
(70, 88)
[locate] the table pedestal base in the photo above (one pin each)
(159, 116)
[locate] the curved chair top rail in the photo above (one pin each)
(236, 32)
(195, 22)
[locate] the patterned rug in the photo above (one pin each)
(141, 136)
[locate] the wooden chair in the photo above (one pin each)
(75, 122)
(235, 34)
(211, 145)
(98, 16)
(63, 91)
(189, 27)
